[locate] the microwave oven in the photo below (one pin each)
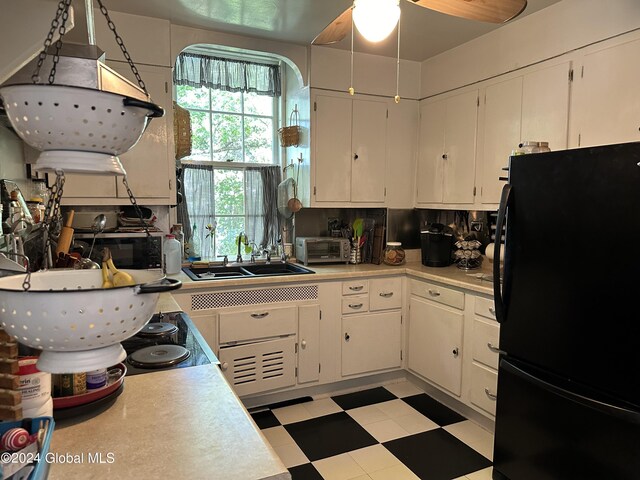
(322, 250)
(128, 250)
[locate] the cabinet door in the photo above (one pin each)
(460, 148)
(545, 106)
(149, 164)
(435, 344)
(431, 150)
(371, 342)
(369, 145)
(332, 150)
(606, 109)
(77, 185)
(502, 115)
(308, 343)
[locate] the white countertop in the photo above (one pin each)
(474, 280)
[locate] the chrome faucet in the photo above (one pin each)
(239, 257)
(268, 252)
(225, 260)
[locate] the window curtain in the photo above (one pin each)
(198, 192)
(261, 207)
(226, 74)
(261, 187)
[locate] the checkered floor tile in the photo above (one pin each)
(394, 432)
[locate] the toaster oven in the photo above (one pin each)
(322, 250)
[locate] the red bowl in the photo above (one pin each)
(92, 395)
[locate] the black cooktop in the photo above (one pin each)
(183, 335)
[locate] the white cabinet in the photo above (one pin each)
(447, 152)
(502, 117)
(371, 325)
(435, 343)
(349, 149)
(606, 106)
(308, 343)
(149, 164)
(371, 342)
(533, 107)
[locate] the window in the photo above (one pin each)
(234, 134)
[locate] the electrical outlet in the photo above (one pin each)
(477, 226)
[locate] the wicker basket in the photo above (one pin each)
(181, 131)
(290, 136)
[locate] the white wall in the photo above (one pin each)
(12, 166)
(550, 32)
(372, 74)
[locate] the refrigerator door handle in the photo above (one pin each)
(623, 413)
(499, 300)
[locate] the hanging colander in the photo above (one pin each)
(75, 322)
(57, 119)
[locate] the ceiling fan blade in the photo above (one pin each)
(493, 11)
(336, 30)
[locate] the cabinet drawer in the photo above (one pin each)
(385, 294)
(258, 367)
(486, 339)
(438, 293)
(485, 307)
(259, 322)
(484, 383)
(355, 304)
(355, 287)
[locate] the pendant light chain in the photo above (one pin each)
(120, 43)
(397, 97)
(351, 90)
(61, 13)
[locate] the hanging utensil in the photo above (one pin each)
(97, 227)
(294, 204)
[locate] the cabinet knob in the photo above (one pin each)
(492, 396)
(303, 343)
(445, 156)
(346, 337)
(224, 366)
(355, 156)
(492, 311)
(455, 352)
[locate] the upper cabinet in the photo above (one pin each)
(349, 143)
(447, 152)
(606, 107)
(534, 107)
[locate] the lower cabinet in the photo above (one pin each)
(435, 343)
(371, 342)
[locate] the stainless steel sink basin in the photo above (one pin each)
(220, 272)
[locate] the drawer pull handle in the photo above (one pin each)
(346, 337)
(355, 306)
(491, 396)
(386, 294)
(492, 311)
(495, 349)
(455, 352)
(357, 288)
(434, 294)
(259, 315)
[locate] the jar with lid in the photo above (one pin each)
(394, 254)
(39, 191)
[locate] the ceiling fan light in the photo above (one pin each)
(376, 19)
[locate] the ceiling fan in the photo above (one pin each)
(387, 13)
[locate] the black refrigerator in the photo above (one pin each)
(569, 310)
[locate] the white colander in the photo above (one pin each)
(57, 118)
(67, 311)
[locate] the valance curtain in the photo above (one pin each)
(231, 75)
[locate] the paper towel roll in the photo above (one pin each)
(489, 252)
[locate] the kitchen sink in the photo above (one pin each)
(221, 272)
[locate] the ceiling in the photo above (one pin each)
(424, 33)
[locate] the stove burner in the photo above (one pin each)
(157, 329)
(158, 356)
